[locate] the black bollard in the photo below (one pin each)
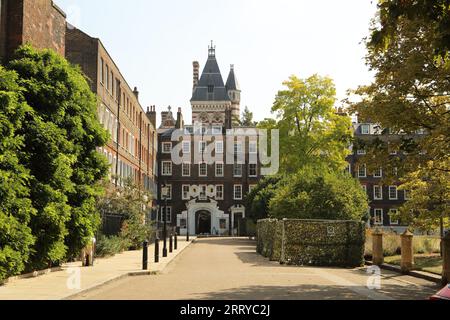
(145, 256)
(175, 238)
(156, 249)
(171, 243)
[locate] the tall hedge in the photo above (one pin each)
(15, 206)
(60, 135)
(312, 242)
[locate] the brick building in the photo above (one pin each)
(206, 190)
(133, 147)
(385, 200)
(38, 22)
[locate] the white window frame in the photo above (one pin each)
(238, 147)
(380, 223)
(253, 147)
(365, 171)
(375, 192)
(188, 164)
(183, 196)
(234, 171)
(361, 152)
(220, 165)
(216, 130)
(188, 149)
(169, 186)
(378, 173)
(219, 150)
(203, 192)
(164, 145)
(163, 173)
(235, 188)
(217, 193)
(200, 169)
(251, 187)
(393, 222)
(365, 126)
(256, 170)
(168, 211)
(396, 193)
(407, 194)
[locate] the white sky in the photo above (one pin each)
(154, 43)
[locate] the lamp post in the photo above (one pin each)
(164, 192)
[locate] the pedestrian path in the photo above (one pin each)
(73, 279)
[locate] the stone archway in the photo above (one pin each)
(203, 221)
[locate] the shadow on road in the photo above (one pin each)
(314, 292)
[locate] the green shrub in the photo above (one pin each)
(16, 210)
(110, 246)
(319, 194)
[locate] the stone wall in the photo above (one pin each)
(312, 242)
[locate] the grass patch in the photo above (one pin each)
(423, 262)
(423, 245)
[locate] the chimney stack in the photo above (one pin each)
(196, 66)
(151, 115)
(136, 92)
(180, 122)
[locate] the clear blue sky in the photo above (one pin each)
(154, 43)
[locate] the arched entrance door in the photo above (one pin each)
(203, 222)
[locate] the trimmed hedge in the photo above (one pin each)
(312, 242)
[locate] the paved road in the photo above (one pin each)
(230, 269)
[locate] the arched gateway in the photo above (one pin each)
(203, 222)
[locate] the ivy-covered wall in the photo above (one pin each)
(312, 242)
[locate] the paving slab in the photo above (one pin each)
(73, 279)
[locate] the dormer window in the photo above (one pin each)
(365, 129)
(210, 89)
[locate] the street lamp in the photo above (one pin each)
(165, 194)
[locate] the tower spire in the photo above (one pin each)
(212, 49)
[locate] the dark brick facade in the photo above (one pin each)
(380, 206)
(37, 22)
(176, 180)
(132, 149)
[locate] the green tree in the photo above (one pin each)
(433, 12)
(247, 118)
(61, 134)
(429, 191)
(133, 205)
(16, 209)
(410, 94)
(313, 194)
(257, 201)
(311, 133)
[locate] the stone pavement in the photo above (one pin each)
(230, 269)
(73, 279)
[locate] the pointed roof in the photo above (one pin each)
(211, 79)
(232, 83)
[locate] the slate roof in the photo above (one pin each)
(232, 83)
(211, 76)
